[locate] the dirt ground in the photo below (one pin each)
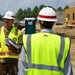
(66, 31)
(70, 32)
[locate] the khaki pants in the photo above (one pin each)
(9, 67)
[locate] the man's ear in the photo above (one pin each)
(12, 21)
(41, 26)
(54, 23)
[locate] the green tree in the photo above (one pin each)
(35, 12)
(29, 12)
(25, 13)
(59, 9)
(40, 7)
(1, 17)
(20, 14)
(66, 7)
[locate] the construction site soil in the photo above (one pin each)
(66, 31)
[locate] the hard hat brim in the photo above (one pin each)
(52, 20)
(6, 17)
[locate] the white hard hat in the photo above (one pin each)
(9, 15)
(47, 14)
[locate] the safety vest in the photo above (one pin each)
(45, 53)
(66, 19)
(13, 35)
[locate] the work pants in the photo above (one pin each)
(9, 67)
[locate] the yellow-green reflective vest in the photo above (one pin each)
(66, 19)
(4, 51)
(46, 53)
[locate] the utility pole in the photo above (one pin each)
(57, 4)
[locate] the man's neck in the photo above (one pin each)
(8, 27)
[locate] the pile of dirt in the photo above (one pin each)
(64, 30)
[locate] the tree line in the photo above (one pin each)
(21, 14)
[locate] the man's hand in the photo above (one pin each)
(11, 48)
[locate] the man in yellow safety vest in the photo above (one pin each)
(45, 53)
(66, 21)
(8, 53)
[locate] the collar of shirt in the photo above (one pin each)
(47, 30)
(7, 31)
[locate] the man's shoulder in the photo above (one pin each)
(1, 28)
(17, 30)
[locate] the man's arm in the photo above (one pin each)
(21, 66)
(20, 43)
(68, 66)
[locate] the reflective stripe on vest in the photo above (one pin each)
(41, 66)
(8, 53)
(61, 50)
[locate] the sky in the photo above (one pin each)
(14, 5)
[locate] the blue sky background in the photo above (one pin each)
(14, 5)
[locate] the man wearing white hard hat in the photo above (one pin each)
(8, 52)
(45, 53)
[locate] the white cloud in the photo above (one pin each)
(14, 5)
(25, 2)
(5, 5)
(51, 0)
